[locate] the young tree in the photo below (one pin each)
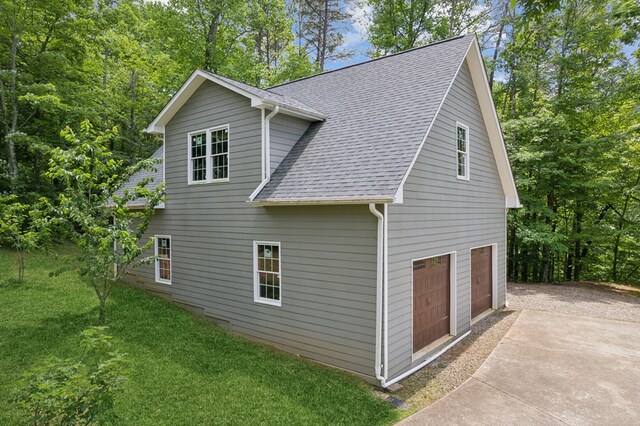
(24, 228)
(111, 236)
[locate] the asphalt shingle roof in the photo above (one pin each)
(377, 114)
(156, 175)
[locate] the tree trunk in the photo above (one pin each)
(13, 101)
(452, 15)
(322, 51)
(577, 269)
(210, 40)
(512, 272)
(21, 265)
(498, 41)
(102, 315)
(132, 116)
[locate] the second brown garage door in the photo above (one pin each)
(431, 299)
(481, 280)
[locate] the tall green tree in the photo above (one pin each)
(405, 24)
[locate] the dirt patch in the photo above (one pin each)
(455, 366)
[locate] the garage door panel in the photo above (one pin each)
(431, 300)
(481, 280)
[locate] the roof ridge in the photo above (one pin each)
(369, 61)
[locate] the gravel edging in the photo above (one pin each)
(575, 300)
(456, 365)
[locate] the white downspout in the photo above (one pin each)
(262, 145)
(385, 294)
(266, 151)
(379, 293)
(267, 148)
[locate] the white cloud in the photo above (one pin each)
(360, 13)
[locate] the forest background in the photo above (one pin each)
(564, 75)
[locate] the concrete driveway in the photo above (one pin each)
(551, 369)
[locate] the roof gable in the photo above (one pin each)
(259, 98)
(379, 114)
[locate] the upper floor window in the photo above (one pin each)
(209, 155)
(462, 143)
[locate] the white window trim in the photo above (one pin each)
(157, 261)
(256, 277)
(209, 163)
(467, 152)
(453, 305)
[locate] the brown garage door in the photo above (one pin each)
(431, 287)
(481, 280)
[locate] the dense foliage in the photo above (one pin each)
(564, 75)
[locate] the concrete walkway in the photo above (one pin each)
(550, 369)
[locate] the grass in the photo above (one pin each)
(184, 370)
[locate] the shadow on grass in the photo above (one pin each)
(244, 378)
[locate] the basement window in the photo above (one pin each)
(266, 281)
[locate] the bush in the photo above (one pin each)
(67, 392)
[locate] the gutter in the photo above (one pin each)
(381, 292)
(315, 201)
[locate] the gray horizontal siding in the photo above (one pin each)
(441, 214)
(328, 253)
(285, 132)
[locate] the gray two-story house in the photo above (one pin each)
(356, 217)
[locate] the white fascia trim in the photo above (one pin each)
(195, 80)
(316, 201)
(490, 115)
(476, 67)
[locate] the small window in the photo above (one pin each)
(163, 258)
(267, 284)
(209, 155)
(462, 142)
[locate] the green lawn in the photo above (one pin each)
(184, 370)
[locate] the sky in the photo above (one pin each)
(355, 36)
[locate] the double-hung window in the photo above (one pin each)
(163, 258)
(462, 144)
(209, 155)
(266, 279)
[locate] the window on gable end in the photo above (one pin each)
(462, 146)
(209, 155)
